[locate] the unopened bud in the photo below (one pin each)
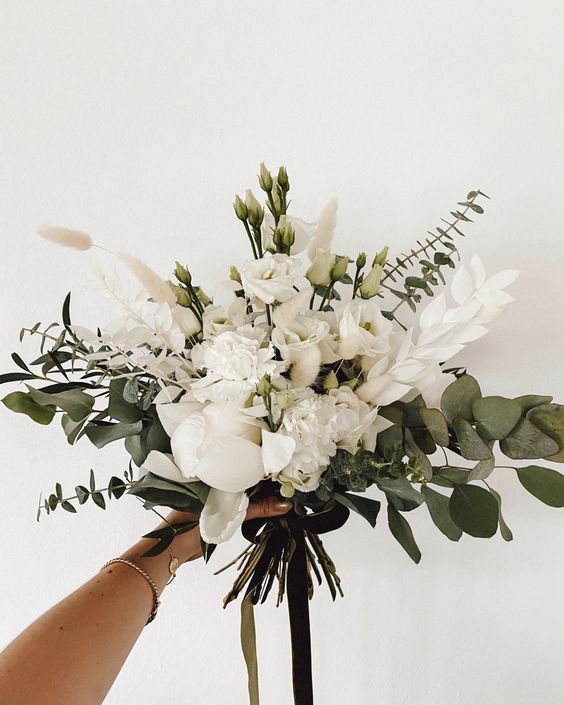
(330, 381)
(284, 399)
(264, 387)
(240, 209)
(202, 296)
(265, 179)
(339, 269)
(319, 273)
(381, 257)
(361, 260)
(283, 179)
(234, 274)
(182, 274)
(183, 298)
(255, 212)
(284, 235)
(287, 490)
(370, 285)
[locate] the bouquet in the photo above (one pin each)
(312, 380)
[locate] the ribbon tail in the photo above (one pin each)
(249, 647)
(298, 608)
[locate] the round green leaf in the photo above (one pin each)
(474, 510)
(543, 483)
(550, 420)
(495, 416)
(458, 398)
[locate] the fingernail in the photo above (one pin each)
(283, 506)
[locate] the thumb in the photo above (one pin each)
(268, 507)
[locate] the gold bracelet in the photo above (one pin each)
(156, 595)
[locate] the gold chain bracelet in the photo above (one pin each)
(156, 595)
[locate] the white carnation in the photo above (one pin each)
(234, 361)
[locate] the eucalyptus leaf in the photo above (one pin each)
(474, 510)
(529, 401)
(402, 532)
(527, 441)
(75, 402)
(504, 530)
(118, 408)
(82, 493)
(472, 446)
(550, 420)
(482, 470)
(543, 483)
(438, 506)
(101, 435)
(366, 507)
(15, 377)
(400, 492)
(137, 449)
(72, 428)
(458, 397)
(437, 425)
(160, 492)
(495, 416)
(22, 403)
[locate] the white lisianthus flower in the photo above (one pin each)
(224, 448)
(363, 330)
(234, 361)
(219, 319)
(356, 423)
(303, 332)
(270, 278)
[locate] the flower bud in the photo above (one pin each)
(330, 381)
(283, 179)
(339, 269)
(234, 274)
(265, 179)
(255, 212)
(264, 387)
(182, 274)
(381, 257)
(240, 209)
(361, 260)
(284, 235)
(352, 383)
(183, 298)
(287, 490)
(202, 296)
(319, 273)
(371, 283)
(284, 399)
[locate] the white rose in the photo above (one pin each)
(234, 361)
(224, 448)
(270, 278)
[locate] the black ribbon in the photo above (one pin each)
(292, 527)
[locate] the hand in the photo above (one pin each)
(187, 547)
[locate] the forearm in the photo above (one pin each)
(72, 654)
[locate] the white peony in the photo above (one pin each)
(270, 278)
(224, 448)
(234, 361)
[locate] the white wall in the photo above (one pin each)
(138, 121)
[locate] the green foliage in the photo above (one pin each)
(402, 532)
(366, 507)
(156, 491)
(543, 483)
(22, 403)
(458, 398)
(438, 506)
(549, 418)
(474, 510)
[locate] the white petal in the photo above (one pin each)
(277, 451)
(161, 464)
(478, 271)
(231, 464)
(462, 286)
(167, 394)
(186, 442)
(223, 514)
(433, 312)
(501, 280)
(494, 297)
(173, 414)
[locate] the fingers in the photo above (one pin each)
(268, 507)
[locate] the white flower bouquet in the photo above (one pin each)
(305, 384)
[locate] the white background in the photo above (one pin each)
(138, 121)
